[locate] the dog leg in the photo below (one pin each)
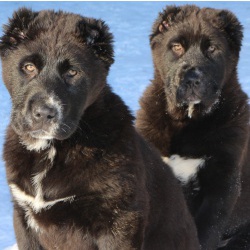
(24, 236)
(212, 217)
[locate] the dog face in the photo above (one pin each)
(194, 51)
(54, 66)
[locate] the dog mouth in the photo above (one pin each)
(25, 127)
(41, 134)
(193, 98)
(189, 102)
(61, 132)
(36, 139)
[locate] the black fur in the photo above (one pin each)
(27, 25)
(195, 53)
(71, 136)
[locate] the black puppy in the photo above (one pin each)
(197, 115)
(80, 176)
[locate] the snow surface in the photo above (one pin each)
(14, 247)
(131, 24)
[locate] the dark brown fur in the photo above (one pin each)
(124, 196)
(217, 133)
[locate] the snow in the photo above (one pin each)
(130, 22)
(14, 247)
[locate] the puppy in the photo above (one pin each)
(80, 176)
(197, 115)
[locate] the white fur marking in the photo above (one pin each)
(41, 138)
(39, 144)
(51, 154)
(191, 108)
(31, 221)
(212, 106)
(37, 203)
(56, 104)
(184, 169)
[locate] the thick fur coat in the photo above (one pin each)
(197, 116)
(80, 175)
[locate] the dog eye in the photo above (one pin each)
(29, 68)
(178, 49)
(211, 49)
(71, 73)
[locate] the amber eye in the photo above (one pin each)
(29, 68)
(71, 73)
(178, 49)
(211, 49)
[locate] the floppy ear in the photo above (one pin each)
(227, 22)
(164, 21)
(169, 17)
(15, 30)
(96, 35)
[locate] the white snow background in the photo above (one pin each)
(131, 23)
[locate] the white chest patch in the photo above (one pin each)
(184, 168)
(37, 144)
(35, 204)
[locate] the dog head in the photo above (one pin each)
(55, 65)
(195, 53)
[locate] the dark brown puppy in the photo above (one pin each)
(80, 176)
(197, 115)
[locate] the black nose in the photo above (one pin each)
(43, 113)
(192, 78)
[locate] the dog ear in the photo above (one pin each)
(227, 22)
(15, 30)
(170, 16)
(96, 35)
(165, 20)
